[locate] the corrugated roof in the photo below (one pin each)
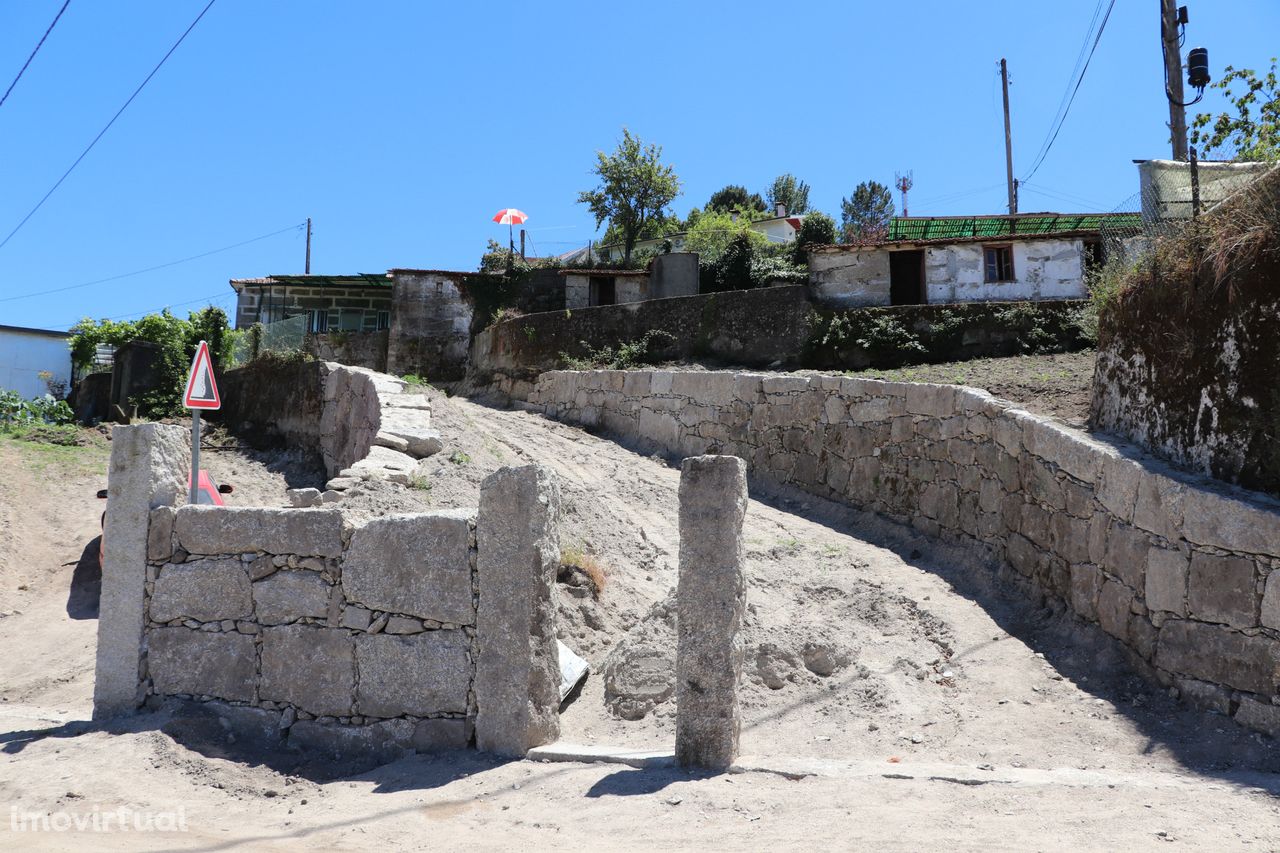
(916, 228)
(603, 272)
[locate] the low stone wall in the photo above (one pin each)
(298, 628)
(306, 625)
(1182, 573)
(356, 349)
(341, 412)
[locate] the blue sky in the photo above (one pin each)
(401, 127)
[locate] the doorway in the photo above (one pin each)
(603, 291)
(906, 278)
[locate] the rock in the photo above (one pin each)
(303, 497)
(418, 565)
(441, 734)
(1259, 716)
(160, 534)
(421, 675)
(1270, 617)
(289, 595)
(204, 590)
(774, 665)
(1166, 587)
(1219, 655)
(221, 530)
(309, 667)
(403, 625)
(356, 618)
(384, 459)
(330, 496)
(821, 659)
(364, 746)
(200, 663)
(393, 442)
(637, 678)
(1222, 589)
(341, 484)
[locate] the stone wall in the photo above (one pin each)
(357, 349)
(1188, 369)
(430, 324)
(1182, 573)
(301, 629)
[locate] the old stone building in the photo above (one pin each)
(347, 303)
(967, 258)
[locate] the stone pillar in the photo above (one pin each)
(517, 670)
(148, 470)
(710, 600)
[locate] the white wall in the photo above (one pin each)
(851, 279)
(24, 354)
(1043, 269)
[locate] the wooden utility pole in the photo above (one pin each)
(522, 244)
(307, 269)
(1008, 141)
(1173, 78)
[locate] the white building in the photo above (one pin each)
(29, 357)
(966, 259)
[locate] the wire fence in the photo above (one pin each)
(1171, 196)
(282, 337)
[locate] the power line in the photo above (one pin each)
(39, 45)
(212, 297)
(102, 132)
(1075, 70)
(154, 268)
(1053, 137)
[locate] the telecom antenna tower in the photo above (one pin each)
(904, 183)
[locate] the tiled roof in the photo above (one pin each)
(614, 273)
(359, 280)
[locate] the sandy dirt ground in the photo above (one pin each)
(893, 697)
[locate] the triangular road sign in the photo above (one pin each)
(202, 390)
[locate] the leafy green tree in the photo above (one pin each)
(866, 215)
(791, 191)
(635, 188)
(736, 198)
(817, 229)
(714, 230)
(1242, 136)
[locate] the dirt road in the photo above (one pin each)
(952, 715)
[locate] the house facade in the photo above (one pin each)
(33, 360)
(965, 259)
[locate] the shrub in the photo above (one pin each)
(626, 356)
(41, 410)
(576, 564)
(817, 229)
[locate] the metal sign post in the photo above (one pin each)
(202, 393)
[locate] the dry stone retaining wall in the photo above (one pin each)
(1183, 573)
(297, 628)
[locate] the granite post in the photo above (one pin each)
(710, 600)
(517, 668)
(147, 470)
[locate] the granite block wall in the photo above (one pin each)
(1180, 570)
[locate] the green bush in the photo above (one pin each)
(177, 339)
(41, 410)
(817, 229)
(626, 356)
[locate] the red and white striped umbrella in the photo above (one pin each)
(510, 216)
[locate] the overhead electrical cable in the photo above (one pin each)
(1053, 135)
(39, 45)
(154, 268)
(102, 132)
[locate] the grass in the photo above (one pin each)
(577, 558)
(58, 451)
(459, 457)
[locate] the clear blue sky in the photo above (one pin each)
(401, 127)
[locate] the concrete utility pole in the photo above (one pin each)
(1008, 141)
(307, 269)
(1173, 78)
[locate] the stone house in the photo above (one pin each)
(346, 303)
(671, 274)
(967, 258)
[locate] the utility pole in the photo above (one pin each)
(307, 269)
(522, 244)
(1008, 141)
(1169, 20)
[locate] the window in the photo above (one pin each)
(317, 320)
(384, 320)
(999, 263)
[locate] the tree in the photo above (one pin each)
(635, 187)
(817, 229)
(790, 191)
(866, 215)
(736, 198)
(1242, 136)
(712, 233)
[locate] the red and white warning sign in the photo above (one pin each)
(202, 390)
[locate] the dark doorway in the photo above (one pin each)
(906, 278)
(603, 291)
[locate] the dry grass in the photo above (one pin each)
(585, 564)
